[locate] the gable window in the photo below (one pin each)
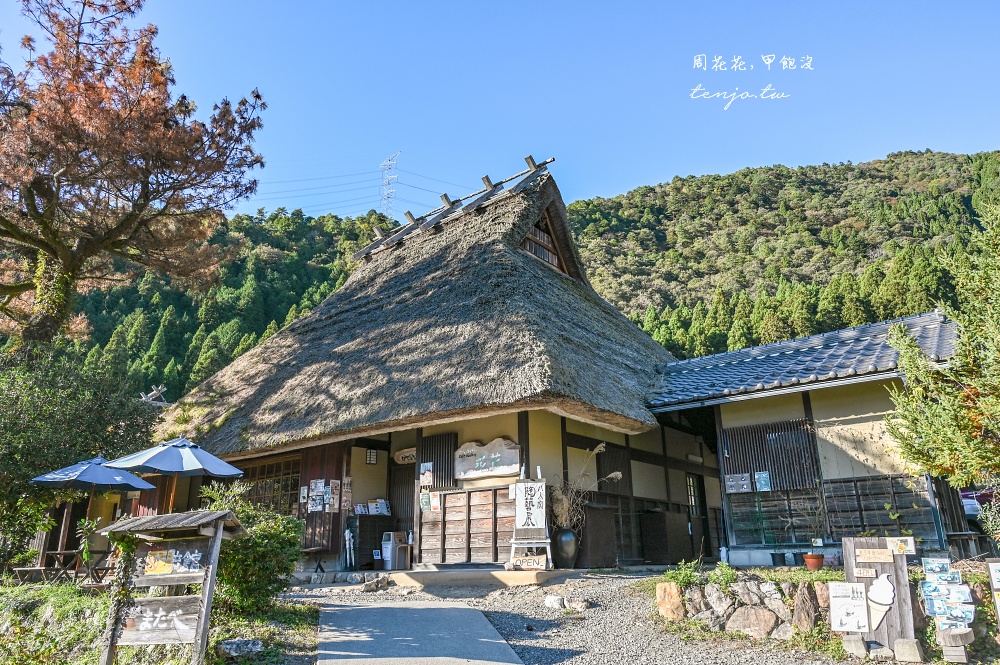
(540, 242)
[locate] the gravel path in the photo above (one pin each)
(620, 628)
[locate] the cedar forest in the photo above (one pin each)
(704, 264)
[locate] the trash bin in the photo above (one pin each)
(391, 540)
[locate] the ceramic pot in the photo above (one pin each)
(777, 559)
(813, 561)
(565, 547)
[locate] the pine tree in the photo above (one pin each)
(947, 416)
(246, 343)
(160, 351)
(773, 328)
(272, 328)
(172, 380)
(211, 359)
(115, 357)
(194, 351)
(293, 314)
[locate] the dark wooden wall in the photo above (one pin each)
(324, 530)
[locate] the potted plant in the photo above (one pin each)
(567, 502)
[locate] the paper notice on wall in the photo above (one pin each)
(316, 487)
(334, 501)
(316, 504)
(906, 545)
(848, 607)
(435, 502)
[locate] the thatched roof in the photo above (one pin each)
(453, 322)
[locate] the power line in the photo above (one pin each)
(328, 177)
(302, 196)
(427, 177)
(306, 189)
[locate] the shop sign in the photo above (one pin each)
(499, 457)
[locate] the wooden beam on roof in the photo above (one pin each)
(530, 161)
(440, 216)
(487, 183)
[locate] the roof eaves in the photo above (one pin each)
(770, 392)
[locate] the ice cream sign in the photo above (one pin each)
(881, 596)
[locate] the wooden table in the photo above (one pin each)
(65, 564)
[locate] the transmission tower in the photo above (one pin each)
(386, 188)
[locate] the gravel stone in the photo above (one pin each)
(555, 602)
(621, 628)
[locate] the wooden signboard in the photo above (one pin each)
(890, 605)
(529, 562)
(163, 620)
(168, 562)
(499, 457)
(993, 567)
(190, 558)
(530, 510)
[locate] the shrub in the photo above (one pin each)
(255, 568)
(723, 574)
(685, 574)
(25, 644)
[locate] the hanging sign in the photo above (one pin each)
(406, 456)
(499, 457)
(529, 510)
(166, 562)
(426, 474)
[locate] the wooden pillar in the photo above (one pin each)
(65, 526)
(207, 589)
(415, 554)
(524, 442)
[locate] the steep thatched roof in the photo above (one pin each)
(455, 321)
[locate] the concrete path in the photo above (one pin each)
(413, 633)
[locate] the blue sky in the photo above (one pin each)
(464, 89)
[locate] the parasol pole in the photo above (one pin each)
(173, 493)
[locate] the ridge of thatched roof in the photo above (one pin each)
(450, 323)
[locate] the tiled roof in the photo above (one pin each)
(855, 354)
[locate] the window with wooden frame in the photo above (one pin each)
(541, 243)
(274, 484)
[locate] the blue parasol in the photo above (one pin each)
(177, 457)
(93, 475)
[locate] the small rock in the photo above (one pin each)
(757, 622)
(804, 614)
(822, 594)
(711, 620)
(694, 598)
(406, 591)
(376, 584)
(529, 627)
(670, 601)
(784, 631)
(908, 651)
(769, 590)
(721, 603)
(555, 602)
(743, 592)
(878, 652)
(788, 588)
(238, 648)
(778, 606)
(577, 604)
(855, 645)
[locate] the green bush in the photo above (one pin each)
(685, 574)
(723, 574)
(26, 644)
(255, 568)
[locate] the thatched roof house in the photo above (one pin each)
(471, 316)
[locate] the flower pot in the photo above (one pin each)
(813, 561)
(777, 558)
(565, 547)
(799, 558)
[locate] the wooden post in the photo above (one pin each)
(207, 589)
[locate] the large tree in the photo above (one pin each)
(947, 416)
(102, 167)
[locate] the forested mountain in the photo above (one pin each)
(284, 264)
(704, 264)
(719, 262)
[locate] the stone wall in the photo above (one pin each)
(758, 609)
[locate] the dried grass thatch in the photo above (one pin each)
(449, 324)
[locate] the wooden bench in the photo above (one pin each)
(28, 575)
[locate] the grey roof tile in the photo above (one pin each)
(853, 352)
